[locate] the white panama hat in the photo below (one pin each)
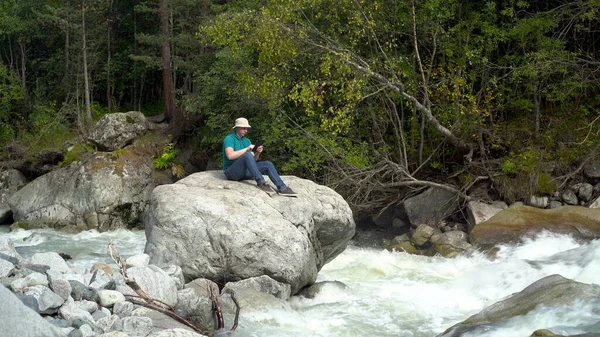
(241, 123)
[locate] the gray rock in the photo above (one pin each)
(430, 207)
(175, 333)
(550, 291)
(100, 313)
(36, 279)
(7, 247)
(61, 287)
(18, 285)
(421, 235)
(123, 308)
(263, 284)
(452, 243)
(108, 298)
(116, 130)
(6, 268)
(176, 274)
(88, 306)
(569, 197)
(18, 320)
(70, 310)
(538, 201)
(155, 282)
(10, 182)
(313, 290)
(585, 192)
(592, 170)
(203, 224)
(53, 260)
(75, 333)
(99, 279)
(87, 331)
(97, 194)
(202, 286)
(554, 204)
(60, 323)
(114, 334)
(107, 323)
(478, 212)
(198, 307)
(137, 260)
(134, 325)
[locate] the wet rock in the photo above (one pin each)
(422, 235)
(315, 289)
(550, 291)
(263, 284)
(478, 212)
(452, 243)
(10, 182)
(512, 223)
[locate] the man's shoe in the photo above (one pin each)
(288, 192)
(266, 188)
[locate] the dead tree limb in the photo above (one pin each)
(151, 303)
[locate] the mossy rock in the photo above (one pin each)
(514, 222)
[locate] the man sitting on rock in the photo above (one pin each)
(240, 162)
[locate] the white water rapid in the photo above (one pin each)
(391, 293)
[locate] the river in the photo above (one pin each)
(391, 293)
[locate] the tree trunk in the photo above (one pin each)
(536, 99)
(165, 49)
(109, 91)
(86, 80)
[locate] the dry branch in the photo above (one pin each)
(151, 303)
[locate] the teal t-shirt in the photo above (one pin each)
(237, 143)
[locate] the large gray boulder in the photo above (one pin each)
(105, 192)
(18, 320)
(228, 231)
(10, 182)
(116, 130)
(430, 207)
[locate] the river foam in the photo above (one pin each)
(391, 293)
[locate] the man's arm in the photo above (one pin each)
(231, 154)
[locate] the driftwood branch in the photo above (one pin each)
(151, 303)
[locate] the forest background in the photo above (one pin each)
(376, 99)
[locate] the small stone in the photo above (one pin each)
(6, 268)
(18, 285)
(36, 279)
(123, 308)
(137, 260)
(108, 298)
(101, 313)
(88, 306)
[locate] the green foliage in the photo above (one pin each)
(545, 185)
(165, 160)
(75, 153)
